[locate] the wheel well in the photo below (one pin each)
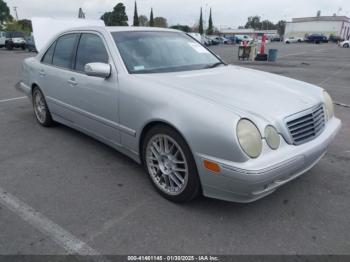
(148, 127)
(34, 86)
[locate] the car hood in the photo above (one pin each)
(245, 91)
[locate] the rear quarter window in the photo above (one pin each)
(47, 58)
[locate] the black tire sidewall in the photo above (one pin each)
(193, 187)
(48, 119)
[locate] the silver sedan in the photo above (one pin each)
(196, 124)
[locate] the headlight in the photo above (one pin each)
(328, 105)
(249, 138)
(272, 137)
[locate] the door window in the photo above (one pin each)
(64, 51)
(47, 59)
(91, 49)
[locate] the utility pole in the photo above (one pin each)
(15, 10)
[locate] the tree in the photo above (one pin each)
(254, 22)
(268, 25)
(24, 26)
(160, 22)
(210, 29)
(151, 20)
(184, 28)
(117, 17)
(4, 13)
(143, 20)
(281, 27)
(136, 16)
(200, 27)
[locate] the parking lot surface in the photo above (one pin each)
(63, 192)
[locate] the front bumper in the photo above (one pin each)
(247, 182)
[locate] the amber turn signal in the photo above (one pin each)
(211, 166)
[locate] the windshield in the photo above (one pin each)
(159, 52)
(14, 35)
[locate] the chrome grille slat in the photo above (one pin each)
(306, 127)
(309, 117)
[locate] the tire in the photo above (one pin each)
(174, 175)
(299, 41)
(9, 46)
(23, 47)
(41, 110)
(346, 45)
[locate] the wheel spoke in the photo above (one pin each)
(167, 164)
(155, 153)
(172, 177)
(179, 177)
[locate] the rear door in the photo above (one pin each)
(54, 73)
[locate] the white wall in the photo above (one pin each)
(299, 29)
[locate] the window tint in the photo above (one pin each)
(64, 50)
(90, 50)
(47, 59)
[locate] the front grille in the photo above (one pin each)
(308, 126)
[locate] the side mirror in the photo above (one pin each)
(98, 70)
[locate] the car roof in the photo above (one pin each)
(122, 29)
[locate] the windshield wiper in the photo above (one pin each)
(215, 65)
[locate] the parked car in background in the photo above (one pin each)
(292, 39)
(224, 40)
(276, 39)
(13, 40)
(30, 43)
(197, 36)
(178, 114)
(206, 40)
(335, 39)
(215, 40)
(241, 38)
(317, 39)
(345, 44)
(232, 39)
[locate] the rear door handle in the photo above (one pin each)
(72, 82)
(42, 73)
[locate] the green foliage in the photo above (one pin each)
(281, 27)
(117, 17)
(5, 15)
(254, 22)
(160, 22)
(200, 27)
(210, 29)
(143, 20)
(24, 26)
(184, 28)
(151, 19)
(136, 16)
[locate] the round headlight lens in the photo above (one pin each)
(328, 102)
(249, 138)
(272, 137)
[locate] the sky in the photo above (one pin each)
(226, 13)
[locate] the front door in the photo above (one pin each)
(94, 99)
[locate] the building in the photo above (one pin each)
(327, 25)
